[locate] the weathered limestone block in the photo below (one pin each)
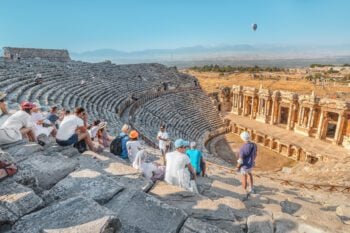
(221, 212)
(16, 201)
(74, 215)
(85, 182)
(24, 151)
(197, 226)
(48, 170)
(137, 209)
(257, 224)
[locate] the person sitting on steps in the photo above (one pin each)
(73, 130)
(18, 126)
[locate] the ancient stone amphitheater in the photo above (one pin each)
(59, 190)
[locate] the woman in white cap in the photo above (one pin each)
(246, 161)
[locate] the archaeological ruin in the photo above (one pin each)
(321, 118)
(57, 189)
(15, 54)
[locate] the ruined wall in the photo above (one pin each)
(59, 55)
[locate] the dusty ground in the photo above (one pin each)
(212, 81)
(267, 160)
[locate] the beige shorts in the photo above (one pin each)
(9, 136)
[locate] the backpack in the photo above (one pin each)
(116, 145)
(81, 146)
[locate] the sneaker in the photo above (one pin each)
(252, 191)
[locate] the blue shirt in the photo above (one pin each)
(125, 139)
(248, 154)
(195, 157)
(52, 117)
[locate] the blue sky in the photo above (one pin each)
(130, 25)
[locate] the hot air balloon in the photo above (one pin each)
(254, 26)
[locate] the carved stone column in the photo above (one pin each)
(290, 115)
(339, 129)
(320, 125)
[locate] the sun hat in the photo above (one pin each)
(2, 95)
(133, 134)
(102, 125)
(181, 143)
(245, 136)
(27, 105)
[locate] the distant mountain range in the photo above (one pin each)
(242, 54)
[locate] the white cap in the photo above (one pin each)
(245, 136)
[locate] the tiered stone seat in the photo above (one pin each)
(188, 114)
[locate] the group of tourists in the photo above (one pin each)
(180, 167)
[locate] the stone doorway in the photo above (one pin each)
(284, 112)
(332, 120)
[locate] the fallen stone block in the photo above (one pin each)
(85, 182)
(74, 215)
(16, 200)
(138, 210)
(257, 224)
(193, 225)
(48, 170)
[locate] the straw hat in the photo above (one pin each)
(2, 95)
(102, 125)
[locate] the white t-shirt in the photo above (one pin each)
(175, 162)
(93, 131)
(18, 120)
(164, 135)
(133, 147)
(68, 126)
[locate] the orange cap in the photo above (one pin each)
(133, 134)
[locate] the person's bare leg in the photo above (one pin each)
(28, 133)
(53, 132)
(204, 168)
(244, 182)
(250, 180)
(87, 139)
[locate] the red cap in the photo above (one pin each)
(27, 105)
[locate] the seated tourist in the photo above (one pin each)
(124, 139)
(18, 126)
(53, 117)
(197, 160)
(152, 171)
(3, 106)
(93, 129)
(73, 130)
(102, 136)
(178, 166)
(41, 125)
(7, 169)
(133, 145)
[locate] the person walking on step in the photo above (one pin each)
(73, 130)
(18, 126)
(197, 160)
(163, 139)
(246, 161)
